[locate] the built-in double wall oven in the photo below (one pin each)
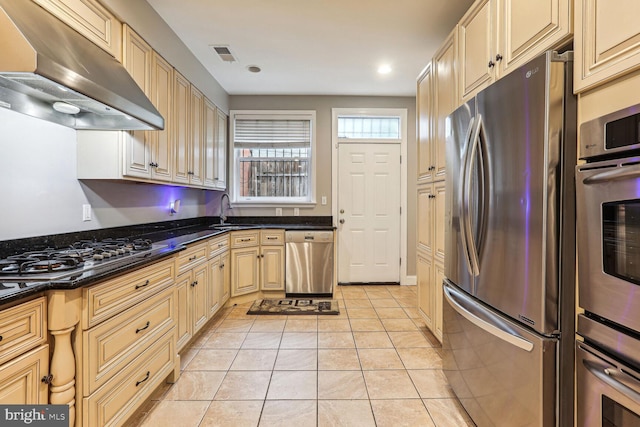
(608, 238)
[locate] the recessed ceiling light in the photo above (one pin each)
(254, 68)
(384, 69)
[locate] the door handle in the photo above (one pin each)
(613, 175)
(627, 386)
(342, 221)
(492, 328)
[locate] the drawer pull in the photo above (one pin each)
(47, 379)
(0, 337)
(193, 257)
(220, 245)
(144, 379)
(245, 240)
(143, 328)
(142, 286)
(272, 238)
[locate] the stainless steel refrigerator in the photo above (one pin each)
(509, 291)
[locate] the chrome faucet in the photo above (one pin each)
(223, 217)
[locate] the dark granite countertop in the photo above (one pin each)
(174, 234)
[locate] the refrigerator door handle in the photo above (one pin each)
(462, 200)
(472, 149)
(494, 328)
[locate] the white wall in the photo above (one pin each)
(41, 195)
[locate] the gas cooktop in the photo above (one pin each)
(69, 263)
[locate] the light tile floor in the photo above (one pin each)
(375, 364)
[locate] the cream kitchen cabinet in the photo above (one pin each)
(188, 112)
(245, 266)
(220, 150)
(126, 342)
(607, 41)
(136, 155)
(257, 261)
(445, 84)
(192, 267)
(24, 354)
(498, 36)
(91, 19)
(431, 253)
(272, 260)
(424, 113)
(215, 147)
(218, 291)
(137, 58)
(436, 99)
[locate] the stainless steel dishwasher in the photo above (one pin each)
(309, 263)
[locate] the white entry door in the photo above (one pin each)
(368, 212)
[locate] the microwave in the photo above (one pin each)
(611, 135)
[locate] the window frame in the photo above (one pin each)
(234, 174)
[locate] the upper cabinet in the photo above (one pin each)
(498, 36)
(436, 99)
(607, 41)
(91, 20)
(424, 107)
(190, 150)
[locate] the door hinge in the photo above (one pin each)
(400, 159)
(400, 262)
(400, 210)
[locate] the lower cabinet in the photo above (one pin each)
(257, 261)
(21, 378)
(191, 290)
(123, 356)
(24, 353)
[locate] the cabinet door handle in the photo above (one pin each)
(47, 379)
(432, 196)
(221, 266)
(194, 283)
(498, 58)
(142, 286)
(491, 64)
(144, 379)
(143, 328)
(0, 337)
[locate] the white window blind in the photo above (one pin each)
(252, 133)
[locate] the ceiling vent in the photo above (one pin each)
(224, 53)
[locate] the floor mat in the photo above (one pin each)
(294, 306)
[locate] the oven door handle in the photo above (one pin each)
(625, 172)
(618, 379)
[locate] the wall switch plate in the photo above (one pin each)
(278, 211)
(296, 211)
(324, 200)
(86, 212)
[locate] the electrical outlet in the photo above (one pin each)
(278, 211)
(86, 212)
(324, 200)
(296, 211)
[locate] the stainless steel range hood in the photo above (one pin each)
(44, 62)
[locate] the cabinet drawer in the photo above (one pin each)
(22, 328)
(218, 245)
(191, 257)
(272, 237)
(118, 399)
(115, 342)
(241, 239)
(105, 300)
(20, 379)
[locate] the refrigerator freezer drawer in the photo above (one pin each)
(503, 374)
